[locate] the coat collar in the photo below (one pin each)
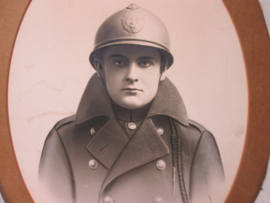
(96, 102)
(128, 115)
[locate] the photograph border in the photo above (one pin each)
(250, 25)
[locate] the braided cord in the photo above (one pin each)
(178, 152)
(180, 171)
(173, 140)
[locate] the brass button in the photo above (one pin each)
(161, 165)
(93, 131)
(132, 126)
(158, 199)
(160, 131)
(93, 164)
(108, 199)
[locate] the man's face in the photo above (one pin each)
(132, 74)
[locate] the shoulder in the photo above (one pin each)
(65, 135)
(65, 121)
(196, 125)
(191, 133)
(206, 137)
(66, 130)
(199, 132)
(54, 136)
(206, 152)
(53, 139)
(54, 151)
(196, 138)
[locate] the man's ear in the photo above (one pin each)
(98, 66)
(163, 75)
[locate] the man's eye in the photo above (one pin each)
(119, 62)
(145, 63)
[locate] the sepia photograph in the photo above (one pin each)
(119, 101)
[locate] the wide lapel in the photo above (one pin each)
(145, 146)
(168, 102)
(108, 142)
(95, 101)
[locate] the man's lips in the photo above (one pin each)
(131, 89)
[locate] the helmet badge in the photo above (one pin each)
(133, 6)
(133, 22)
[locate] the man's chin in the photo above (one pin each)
(131, 104)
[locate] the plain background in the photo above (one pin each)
(266, 7)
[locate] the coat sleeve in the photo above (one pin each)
(55, 170)
(207, 174)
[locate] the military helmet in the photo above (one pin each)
(133, 25)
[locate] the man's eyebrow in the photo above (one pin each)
(147, 57)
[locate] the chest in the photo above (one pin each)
(136, 175)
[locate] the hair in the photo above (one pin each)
(163, 57)
(163, 61)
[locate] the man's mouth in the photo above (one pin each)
(131, 89)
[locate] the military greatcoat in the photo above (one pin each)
(94, 157)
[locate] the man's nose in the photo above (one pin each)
(132, 74)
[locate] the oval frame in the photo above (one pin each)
(254, 39)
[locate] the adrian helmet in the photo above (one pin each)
(136, 26)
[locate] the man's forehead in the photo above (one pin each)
(131, 50)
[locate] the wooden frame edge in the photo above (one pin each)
(13, 188)
(252, 32)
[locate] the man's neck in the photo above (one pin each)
(130, 115)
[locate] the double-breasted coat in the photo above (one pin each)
(96, 156)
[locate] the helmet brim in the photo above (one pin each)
(100, 47)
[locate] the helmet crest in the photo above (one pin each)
(133, 23)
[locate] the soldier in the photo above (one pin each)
(131, 140)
